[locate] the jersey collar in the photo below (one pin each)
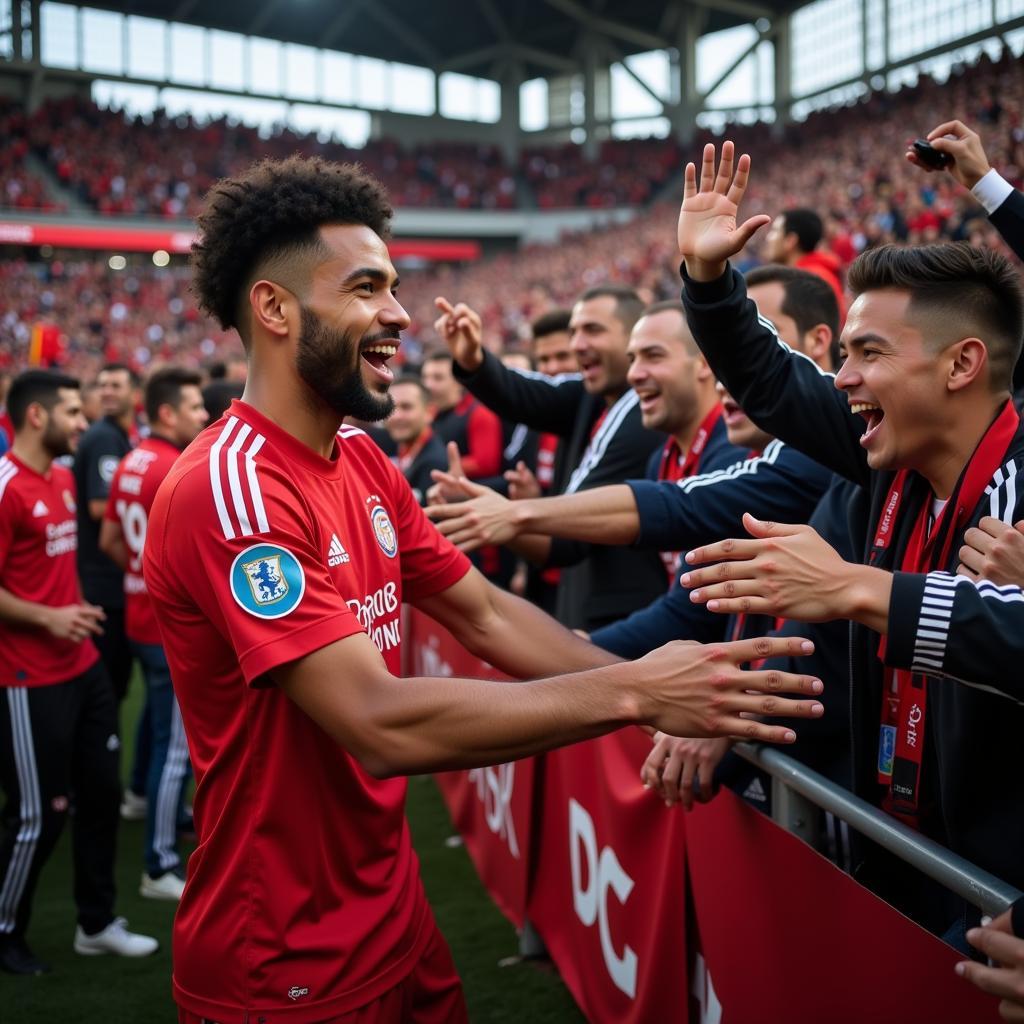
(290, 447)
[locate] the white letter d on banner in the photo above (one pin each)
(604, 872)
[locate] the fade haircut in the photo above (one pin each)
(956, 291)
(552, 322)
(164, 388)
(32, 386)
(266, 223)
(629, 307)
(807, 299)
(806, 225)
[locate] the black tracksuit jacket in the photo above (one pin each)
(972, 787)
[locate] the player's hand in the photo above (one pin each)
(487, 518)
(1006, 979)
(522, 483)
(681, 770)
(75, 622)
(994, 551)
(708, 234)
(691, 689)
(788, 571)
(462, 332)
(970, 164)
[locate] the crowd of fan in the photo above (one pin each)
(858, 178)
(138, 316)
(624, 173)
(645, 411)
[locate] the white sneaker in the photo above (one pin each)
(133, 806)
(167, 887)
(116, 939)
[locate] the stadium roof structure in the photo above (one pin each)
(545, 37)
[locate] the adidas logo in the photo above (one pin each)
(755, 791)
(336, 554)
(40, 510)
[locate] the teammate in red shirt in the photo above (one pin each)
(278, 554)
(58, 715)
(176, 414)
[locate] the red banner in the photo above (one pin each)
(492, 808)
(127, 238)
(608, 886)
(715, 917)
(785, 936)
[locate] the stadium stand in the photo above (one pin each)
(857, 177)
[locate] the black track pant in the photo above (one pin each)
(115, 651)
(59, 752)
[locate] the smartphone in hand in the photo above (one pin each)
(930, 156)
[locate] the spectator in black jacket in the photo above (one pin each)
(778, 481)
(598, 416)
(923, 421)
(418, 449)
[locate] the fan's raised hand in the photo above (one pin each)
(708, 235)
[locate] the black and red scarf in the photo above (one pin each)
(905, 694)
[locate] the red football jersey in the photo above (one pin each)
(38, 541)
(303, 898)
(136, 480)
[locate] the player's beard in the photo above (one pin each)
(329, 362)
(56, 442)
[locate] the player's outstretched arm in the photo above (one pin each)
(493, 624)
(404, 726)
(604, 515)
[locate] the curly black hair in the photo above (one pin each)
(274, 212)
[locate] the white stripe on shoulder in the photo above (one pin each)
(348, 431)
(738, 469)
(7, 472)
(254, 484)
(216, 485)
(244, 445)
(1002, 492)
(555, 381)
(768, 325)
(235, 483)
(598, 446)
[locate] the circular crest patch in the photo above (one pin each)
(108, 467)
(384, 531)
(267, 581)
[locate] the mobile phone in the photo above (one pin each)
(930, 156)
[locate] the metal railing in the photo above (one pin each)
(796, 790)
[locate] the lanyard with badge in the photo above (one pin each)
(905, 694)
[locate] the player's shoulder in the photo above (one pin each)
(10, 478)
(227, 479)
(356, 443)
(62, 475)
